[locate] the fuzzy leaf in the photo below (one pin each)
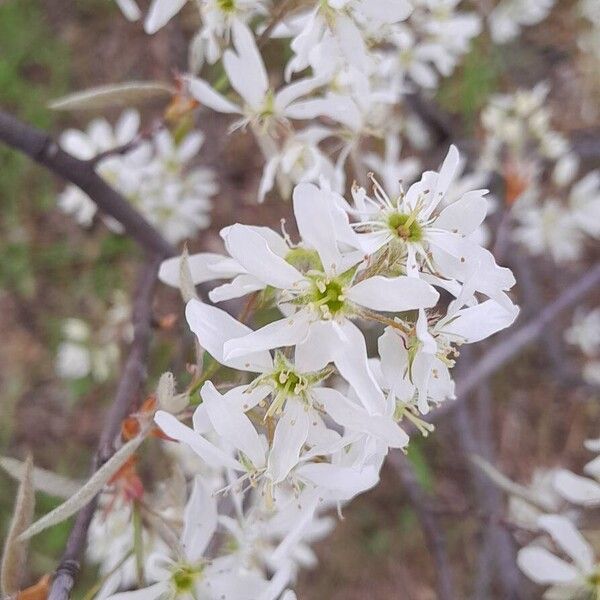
(43, 480)
(94, 485)
(120, 94)
(15, 548)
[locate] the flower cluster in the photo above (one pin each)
(152, 175)
(84, 352)
(556, 211)
(314, 415)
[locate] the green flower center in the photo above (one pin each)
(226, 6)
(405, 227)
(184, 577)
(327, 296)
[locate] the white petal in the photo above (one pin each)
(246, 70)
(233, 425)
(204, 266)
(565, 534)
(238, 287)
(393, 293)
(478, 322)
(290, 435)
(160, 13)
(207, 96)
(385, 11)
(576, 489)
(130, 9)
(199, 521)
(315, 223)
(543, 567)
(344, 482)
(285, 332)
(349, 353)
(213, 327)
(213, 456)
(254, 254)
(355, 418)
(465, 215)
(446, 175)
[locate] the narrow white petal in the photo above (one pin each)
(285, 332)
(565, 534)
(543, 567)
(205, 266)
(478, 322)
(233, 425)
(211, 454)
(356, 418)
(213, 327)
(151, 592)
(160, 13)
(254, 254)
(393, 293)
(290, 435)
(207, 96)
(465, 215)
(577, 489)
(199, 521)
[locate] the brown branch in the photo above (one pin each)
(510, 346)
(434, 535)
(43, 149)
(132, 377)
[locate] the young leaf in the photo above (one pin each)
(120, 94)
(15, 549)
(43, 480)
(94, 484)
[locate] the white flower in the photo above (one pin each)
(161, 12)
(301, 160)
(73, 360)
(585, 332)
(248, 76)
(509, 16)
(297, 398)
(192, 575)
(416, 360)
(348, 23)
(111, 539)
(568, 579)
(408, 234)
(323, 300)
(548, 227)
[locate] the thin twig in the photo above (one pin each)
(132, 377)
(434, 535)
(43, 149)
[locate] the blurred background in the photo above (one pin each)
(538, 409)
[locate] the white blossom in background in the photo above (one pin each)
(509, 16)
(562, 224)
(154, 176)
(84, 351)
(575, 578)
(516, 123)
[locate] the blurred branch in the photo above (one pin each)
(43, 149)
(497, 553)
(132, 377)
(510, 346)
(434, 535)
